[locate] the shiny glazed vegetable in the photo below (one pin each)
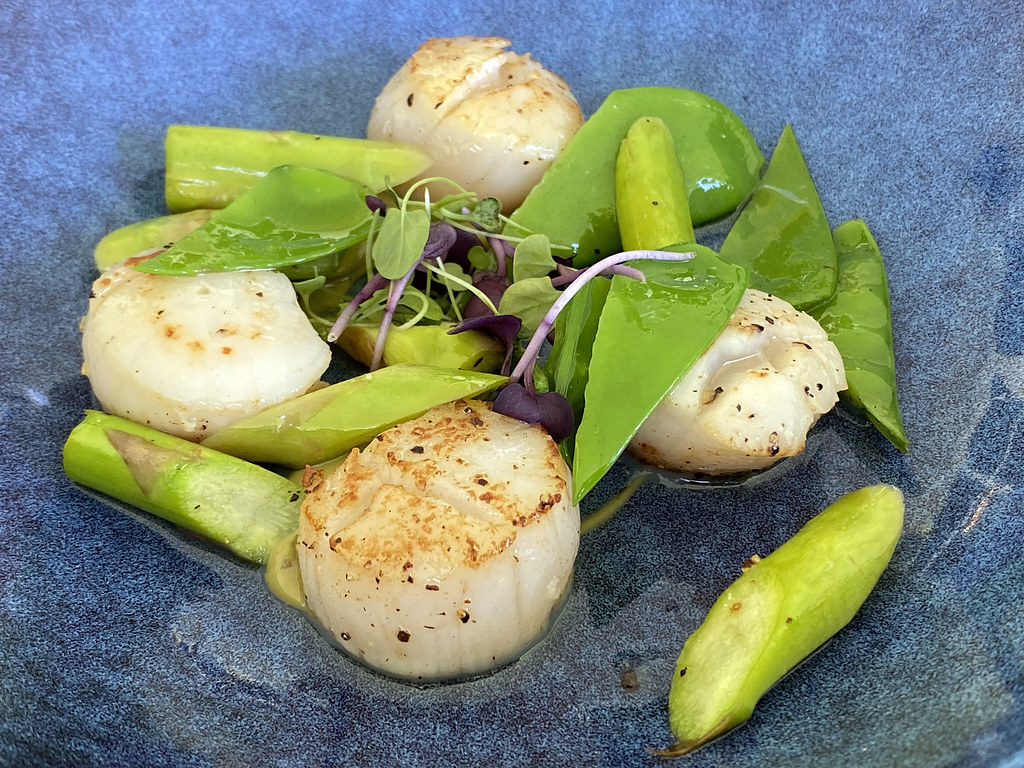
(295, 215)
(575, 201)
(681, 307)
(782, 236)
(858, 319)
(242, 507)
(328, 422)
(781, 609)
(147, 236)
(209, 167)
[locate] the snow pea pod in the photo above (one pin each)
(781, 609)
(328, 422)
(633, 342)
(649, 335)
(575, 200)
(858, 320)
(148, 235)
(782, 236)
(293, 215)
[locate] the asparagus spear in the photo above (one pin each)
(239, 505)
(148, 235)
(209, 167)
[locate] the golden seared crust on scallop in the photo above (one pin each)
(443, 547)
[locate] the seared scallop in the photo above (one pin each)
(751, 398)
(492, 120)
(190, 355)
(445, 547)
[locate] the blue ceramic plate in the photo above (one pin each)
(123, 642)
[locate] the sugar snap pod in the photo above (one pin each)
(575, 200)
(781, 609)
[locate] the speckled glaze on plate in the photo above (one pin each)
(125, 643)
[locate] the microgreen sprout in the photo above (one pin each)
(519, 399)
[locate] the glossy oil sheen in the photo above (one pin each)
(291, 216)
(574, 204)
(782, 235)
(858, 320)
(329, 422)
(649, 335)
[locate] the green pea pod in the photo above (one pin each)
(208, 167)
(782, 236)
(779, 611)
(293, 215)
(568, 364)
(148, 235)
(575, 200)
(858, 320)
(650, 333)
(650, 189)
(328, 422)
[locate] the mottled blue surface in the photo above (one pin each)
(123, 643)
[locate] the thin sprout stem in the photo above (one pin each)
(500, 254)
(394, 294)
(373, 285)
(567, 274)
(368, 250)
(459, 281)
(529, 358)
(424, 306)
(509, 223)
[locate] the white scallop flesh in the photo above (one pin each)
(751, 398)
(189, 355)
(443, 549)
(491, 120)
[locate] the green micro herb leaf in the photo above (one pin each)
(400, 241)
(529, 299)
(533, 258)
(481, 258)
(487, 213)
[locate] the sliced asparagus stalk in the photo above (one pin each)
(238, 505)
(209, 167)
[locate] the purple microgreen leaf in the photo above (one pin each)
(373, 285)
(493, 287)
(505, 328)
(376, 204)
(465, 241)
(548, 409)
(441, 238)
(529, 358)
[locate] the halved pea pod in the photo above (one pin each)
(781, 609)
